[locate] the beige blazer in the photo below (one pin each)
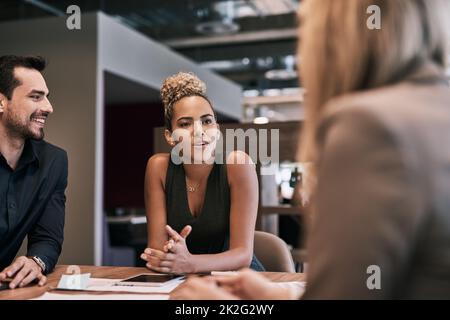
(382, 206)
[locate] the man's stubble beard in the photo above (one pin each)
(18, 130)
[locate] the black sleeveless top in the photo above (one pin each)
(211, 227)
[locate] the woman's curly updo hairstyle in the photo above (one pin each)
(178, 86)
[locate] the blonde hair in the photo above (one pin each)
(340, 54)
(178, 86)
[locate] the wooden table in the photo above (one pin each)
(34, 291)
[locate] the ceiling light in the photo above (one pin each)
(225, 25)
(218, 65)
(261, 120)
(289, 73)
(251, 93)
(270, 7)
(217, 27)
(272, 92)
(281, 74)
(244, 11)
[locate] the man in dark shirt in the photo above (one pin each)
(33, 175)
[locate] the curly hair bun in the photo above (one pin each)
(180, 85)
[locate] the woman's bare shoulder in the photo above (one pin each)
(239, 157)
(239, 166)
(157, 164)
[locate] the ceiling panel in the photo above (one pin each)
(265, 29)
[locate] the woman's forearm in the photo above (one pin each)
(233, 259)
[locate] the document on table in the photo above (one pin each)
(58, 296)
(113, 285)
(123, 292)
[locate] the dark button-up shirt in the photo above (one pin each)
(32, 203)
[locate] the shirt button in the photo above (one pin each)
(12, 205)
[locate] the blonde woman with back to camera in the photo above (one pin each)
(378, 122)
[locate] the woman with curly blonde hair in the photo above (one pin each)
(201, 212)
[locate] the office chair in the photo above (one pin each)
(273, 252)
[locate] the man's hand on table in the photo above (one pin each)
(23, 271)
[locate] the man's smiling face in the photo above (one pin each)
(25, 114)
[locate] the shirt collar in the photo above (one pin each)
(29, 154)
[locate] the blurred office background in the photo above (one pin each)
(104, 81)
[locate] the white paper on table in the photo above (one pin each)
(108, 285)
(58, 296)
(74, 281)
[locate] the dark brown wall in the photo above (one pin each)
(129, 136)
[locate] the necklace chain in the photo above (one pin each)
(192, 188)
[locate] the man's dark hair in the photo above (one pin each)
(7, 65)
